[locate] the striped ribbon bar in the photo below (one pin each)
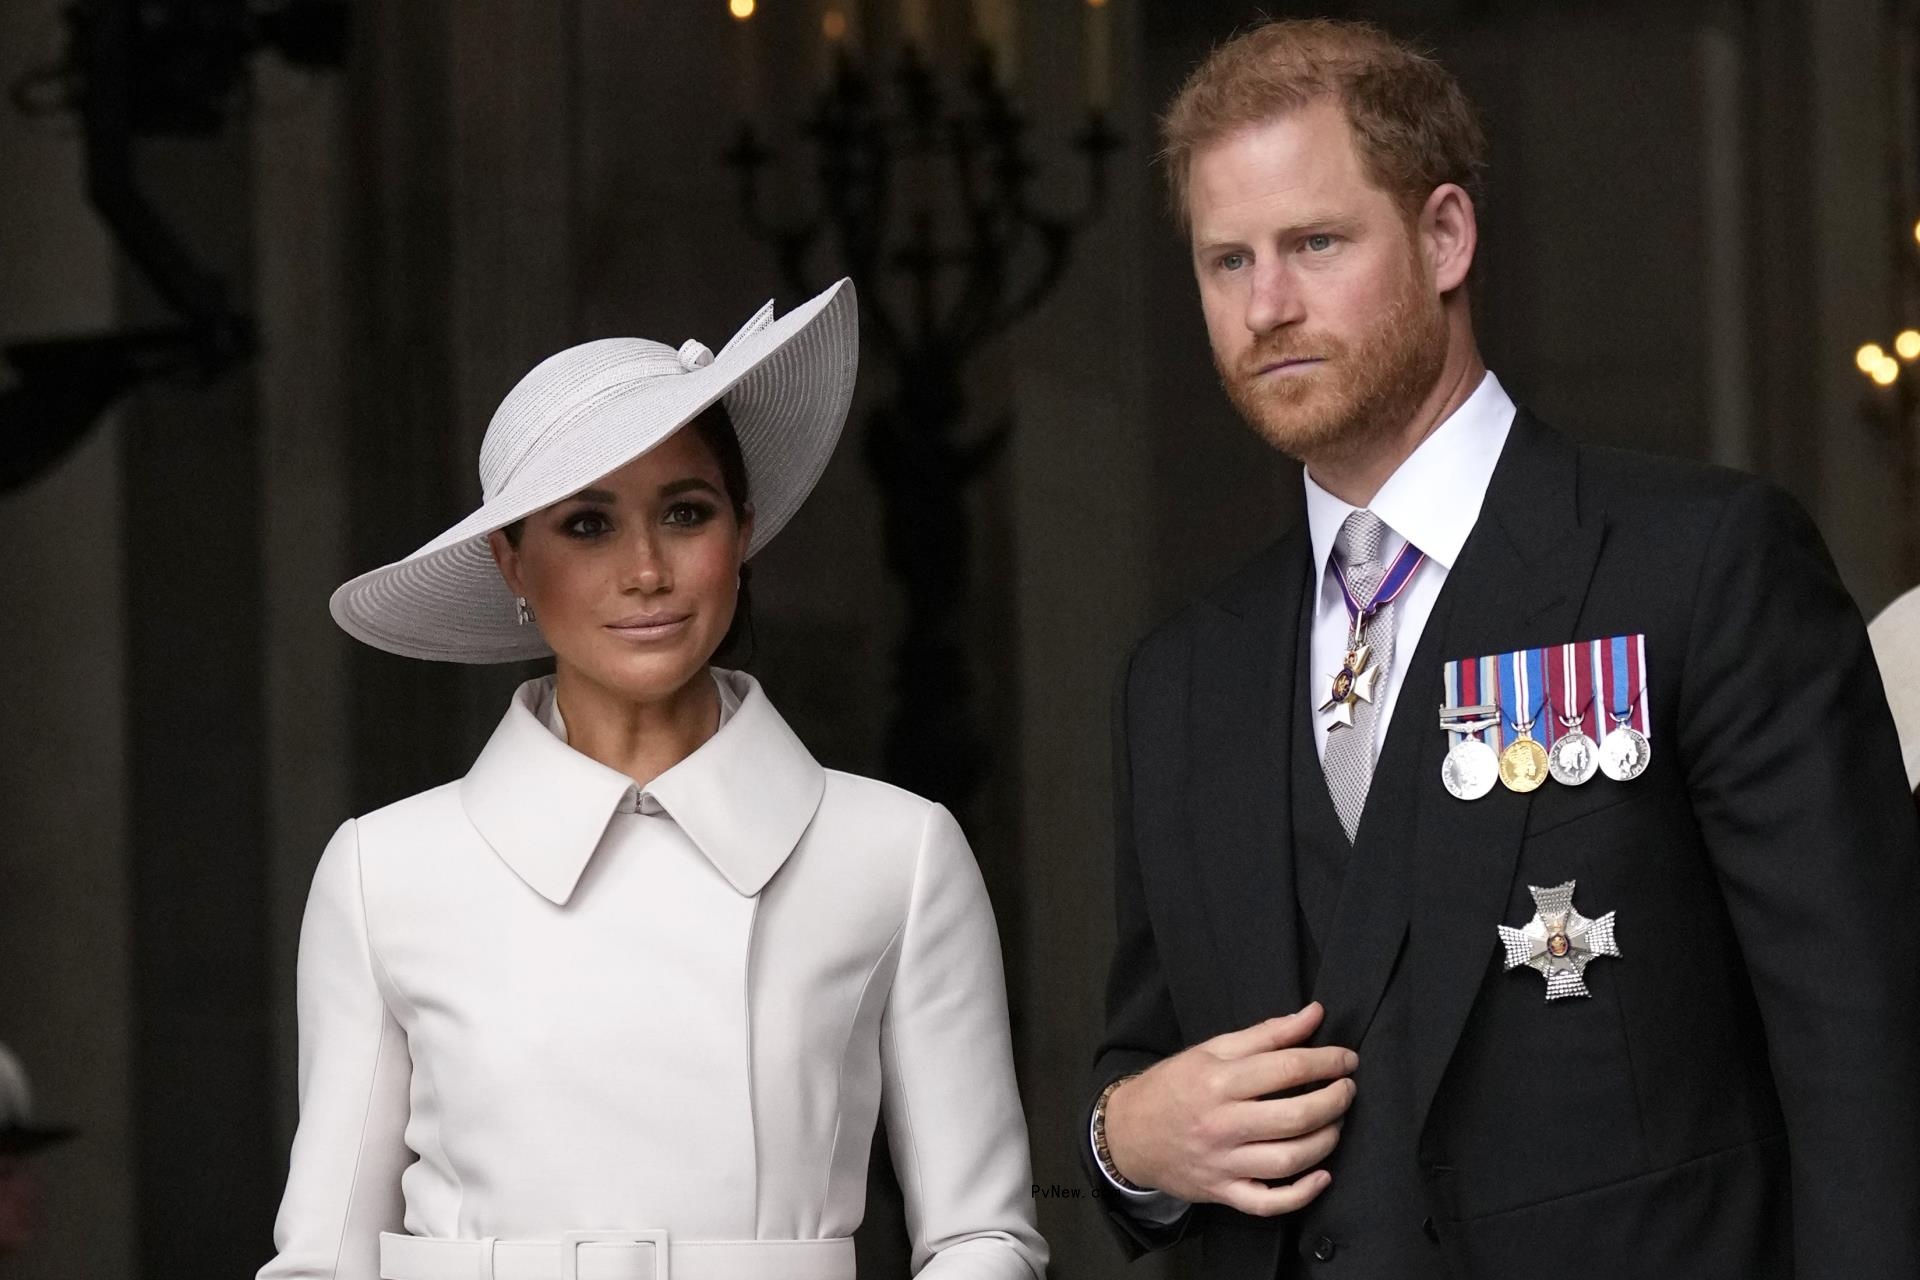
(1392, 583)
(1600, 681)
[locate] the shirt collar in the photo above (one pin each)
(544, 807)
(1433, 498)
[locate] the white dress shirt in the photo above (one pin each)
(1431, 500)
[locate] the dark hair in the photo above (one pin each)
(714, 426)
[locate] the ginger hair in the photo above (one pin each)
(1412, 123)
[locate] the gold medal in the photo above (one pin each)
(1523, 765)
(1353, 683)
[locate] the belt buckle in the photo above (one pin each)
(570, 1242)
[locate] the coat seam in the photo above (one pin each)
(890, 1034)
(379, 1051)
(840, 1075)
(424, 1069)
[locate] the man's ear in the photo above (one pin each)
(1450, 234)
(507, 557)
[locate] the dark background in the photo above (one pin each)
(1697, 212)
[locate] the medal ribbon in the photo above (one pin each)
(1517, 703)
(1594, 679)
(1399, 574)
(1620, 666)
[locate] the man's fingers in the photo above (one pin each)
(1263, 1201)
(1284, 1070)
(1274, 1033)
(1281, 1118)
(1277, 1161)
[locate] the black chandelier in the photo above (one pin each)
(923, 198)
(138, 69)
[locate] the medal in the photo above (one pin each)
(1559, 943)
(1523, 765)
(1354, 682)
(1470, 766)
(1574, 757)
(1625, 752)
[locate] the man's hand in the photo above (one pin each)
(1198, 1125)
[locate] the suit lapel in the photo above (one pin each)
(1238, 784)
(1520, 582)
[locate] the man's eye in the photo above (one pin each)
(1232, 261)
(1319, 243)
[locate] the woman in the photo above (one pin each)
(626, 1000)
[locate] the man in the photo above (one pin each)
(1655, 1022)
(20, 1137)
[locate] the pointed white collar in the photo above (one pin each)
(744, 797)
(1433, 498)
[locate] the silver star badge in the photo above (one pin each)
(1559, 942)
(1352, 683)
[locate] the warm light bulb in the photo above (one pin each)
(1869, 357)
(1887, 373)
(741, 9)
(1916, 231)
(1907, 345)
(834, 25)
(1101, 4)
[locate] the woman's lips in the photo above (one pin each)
(649, 627)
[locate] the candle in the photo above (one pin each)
(994, 25)
(913, 23)
(1008, 46)
(840, 25)
(745, 56)
(1099, 56)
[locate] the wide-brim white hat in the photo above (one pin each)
(1896, 647)
(588, 411)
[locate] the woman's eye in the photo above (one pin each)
(1232, 261)
(689, 514)
(588, 524)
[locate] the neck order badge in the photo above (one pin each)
(1595, 689)
(1355, 679)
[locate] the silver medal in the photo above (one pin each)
(1559, 943)
(1574, 757)
(1470, 769)
(1624, 753)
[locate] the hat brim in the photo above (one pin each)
(786, 387)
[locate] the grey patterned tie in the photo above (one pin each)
(1348, 759)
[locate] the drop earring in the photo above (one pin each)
(525, 609)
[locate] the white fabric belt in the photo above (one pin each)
(614, 1255)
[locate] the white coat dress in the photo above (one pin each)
(539, 1000)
